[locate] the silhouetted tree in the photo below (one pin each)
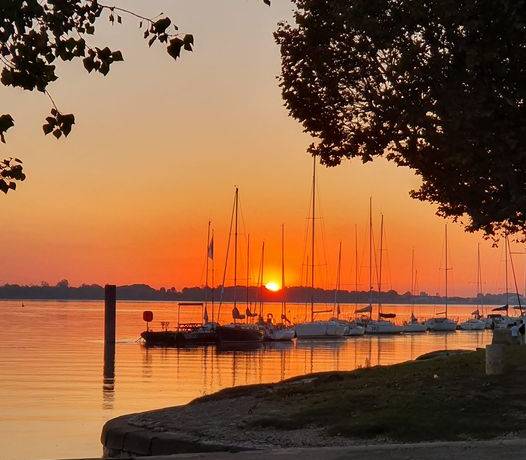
(438, 86)
(35, 34)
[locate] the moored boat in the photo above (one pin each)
(473, 324)
(413, 325)
(320, 330)
(282, 332)
(274, 333)
(382, 327)
(443, 323)
(238, 333)
(162, 338)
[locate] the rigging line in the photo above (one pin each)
(226, 262)
(363, 257)
(388, 262)
(375, 260)
(514, 278)
(305, 242)
(322, 231)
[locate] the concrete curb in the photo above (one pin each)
(120, 439)
(466, 450)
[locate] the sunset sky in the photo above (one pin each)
(158, 148)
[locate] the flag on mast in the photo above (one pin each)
(211, 248)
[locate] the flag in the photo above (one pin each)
(211, 248)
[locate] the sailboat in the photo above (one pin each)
(317, 329)
(280, 332)
(236, 332)
(351, 328)
(413, 325)
(443, 323)
(476, 323)
(382, 325)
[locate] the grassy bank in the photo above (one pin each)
(445, 398)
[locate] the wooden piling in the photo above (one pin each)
(110, 302)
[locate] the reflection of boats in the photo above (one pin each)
(439, 323)
(317, 329)
(226, 347)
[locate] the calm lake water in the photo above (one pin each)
(54, 400)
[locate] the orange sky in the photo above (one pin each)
(158, 148)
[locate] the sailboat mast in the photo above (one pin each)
(356, 262)
(515, 279)
(446, 270)
(213, 282)
(370, 257)
(479, 280)
(313, 235)
(283, 300)
(338, 282)
(235, 245)
(380, 269)
(248, 270)
(261, 279)
(412, 281)
(206, 269)
(506, 244)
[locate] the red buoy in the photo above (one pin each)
(147, 316)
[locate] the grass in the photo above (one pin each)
(445, 398)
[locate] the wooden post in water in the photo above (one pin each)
(110, 296)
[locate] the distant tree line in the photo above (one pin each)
(297, 294)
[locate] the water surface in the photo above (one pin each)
(54, 399)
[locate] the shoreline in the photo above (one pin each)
(444, 398)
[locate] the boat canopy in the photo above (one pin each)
(503, 308)
(387, 315)
(367, 309)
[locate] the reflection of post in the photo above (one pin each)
(109, 330)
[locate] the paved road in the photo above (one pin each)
(480, 450)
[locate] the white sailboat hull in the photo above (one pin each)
(320, 330)
(279, 334)
(441, 325)
(382, 327)
(473, 325)
(355, 331)
(415, 327)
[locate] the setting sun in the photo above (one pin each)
(272, 286)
